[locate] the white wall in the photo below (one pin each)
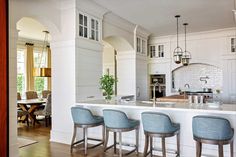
(108, 59)
(211, 47)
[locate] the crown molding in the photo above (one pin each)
(90, 7)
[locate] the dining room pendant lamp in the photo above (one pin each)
(178, 52)
(41, 71)
(186, 54)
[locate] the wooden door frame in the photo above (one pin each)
(4, 79)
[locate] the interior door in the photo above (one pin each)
(4, 78)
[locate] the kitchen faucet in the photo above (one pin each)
(154, 92)
(187, 85)
(204, 79)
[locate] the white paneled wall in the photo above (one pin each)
(191, 75)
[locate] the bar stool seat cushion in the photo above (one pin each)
(118, 120)
(212, 128)
(155, 122)
(83, 116)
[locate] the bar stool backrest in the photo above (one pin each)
(156, 122)
(211, 127)
(82, 115)
(115, 119)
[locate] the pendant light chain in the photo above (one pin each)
(185, 32)
(44, 46)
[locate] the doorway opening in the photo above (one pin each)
(33, 91)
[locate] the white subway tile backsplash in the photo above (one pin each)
(191, 75)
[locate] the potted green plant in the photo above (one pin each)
(107, 83)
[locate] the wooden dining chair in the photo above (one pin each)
(45, 93)
(31, 95)
(18, 96)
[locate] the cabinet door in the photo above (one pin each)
(4, 79)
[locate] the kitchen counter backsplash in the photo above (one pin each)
(198, 76)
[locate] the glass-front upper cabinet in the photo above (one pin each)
(89, 27)
(141, 46)
(152, 51)
(83, 26)
(156, 51)
(94, 29)
(233, 44)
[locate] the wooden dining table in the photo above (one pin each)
(30, 105)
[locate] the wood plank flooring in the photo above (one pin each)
(44, 148)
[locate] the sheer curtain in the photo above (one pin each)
(49, 66)
(29, 67)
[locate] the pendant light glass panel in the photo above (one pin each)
(186, 55)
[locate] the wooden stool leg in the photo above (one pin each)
(221, 153)
(137, 139)
(178, 144)
(103, 134)
(146, 145)
(151, 140)
(120, 144)
(199, 149)
(232, 149)
(106, 140)
(163, 143)
(73, 139)
(85, 140)
(115, 142)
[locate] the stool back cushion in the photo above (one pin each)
(82, 116)
(157, 122)
(211, 128)
(115, 119)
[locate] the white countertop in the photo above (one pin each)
(210, 108)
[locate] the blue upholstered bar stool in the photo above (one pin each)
(118, 122)
(212, 130)
(83, 118)
(159, 125)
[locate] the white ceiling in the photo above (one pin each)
(31, 29)
(157, 16)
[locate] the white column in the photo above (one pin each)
(63, 77)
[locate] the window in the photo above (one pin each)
(233, 44)
(143, 47)
(21, 71)
(152, 51)
(160, 50)
(40, 83)
(83, 26)
(94, 30)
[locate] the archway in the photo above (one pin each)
(119, 60)
(33, 51)
(13, 37)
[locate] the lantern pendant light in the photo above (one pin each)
(178, 52)
(186, 55)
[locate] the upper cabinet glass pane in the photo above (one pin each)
(81, 19)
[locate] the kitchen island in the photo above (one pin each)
(179, 112)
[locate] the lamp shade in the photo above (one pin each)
(42, 72)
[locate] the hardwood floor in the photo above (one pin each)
(44, 148)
